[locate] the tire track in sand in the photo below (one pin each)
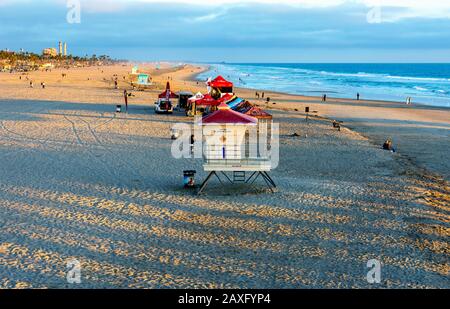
(137, 176)
(88, 148)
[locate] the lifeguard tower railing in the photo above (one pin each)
(245, 166)
(236, 158)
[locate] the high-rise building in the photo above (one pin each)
(65, 49)
(60, 48)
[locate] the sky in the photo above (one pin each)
(233, 30)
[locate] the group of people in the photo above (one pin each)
(43, 85)
(259, 96)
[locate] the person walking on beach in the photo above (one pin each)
(116, 84)
(192, 144)
(125, 96)
(324, 98)
(262, 95)
(357, 96)
(31, 84)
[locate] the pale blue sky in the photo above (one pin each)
(236, 31)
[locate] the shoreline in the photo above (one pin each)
(319, 98)
(360, 122)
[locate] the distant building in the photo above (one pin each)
(60, 48)
(4, 65)
(46, 66)
(52, 52)
(65, 49)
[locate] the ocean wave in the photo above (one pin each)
(420, 88)
(382, 77)
(362, 74)
(384, 84)
(425, 79)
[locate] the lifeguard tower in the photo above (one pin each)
(231, 146)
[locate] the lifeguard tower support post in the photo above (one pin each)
(231, 145)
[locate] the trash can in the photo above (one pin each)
(189, 179)
(175, 134)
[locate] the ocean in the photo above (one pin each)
(424, 83)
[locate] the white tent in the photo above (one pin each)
(196, 97)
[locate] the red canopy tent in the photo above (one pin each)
(225, 115)
(220, 82)
(168, 94)
(258, 113)
(207, 100)
(227, 97)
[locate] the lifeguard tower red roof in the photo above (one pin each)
(220, 82)
(168, 93)
(225, 115)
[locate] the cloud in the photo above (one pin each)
(397, 10)
(391, 10)
(141, 28)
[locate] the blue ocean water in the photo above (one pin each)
(424, 83)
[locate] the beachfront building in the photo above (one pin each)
(219, 86)
(230, 145)
(4, 65)
(50, 52)
(47, 66)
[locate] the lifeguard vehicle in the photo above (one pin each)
(165, 103)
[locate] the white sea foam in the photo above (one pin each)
(373, 85)
(420, 88)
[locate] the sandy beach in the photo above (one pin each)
(79, 181)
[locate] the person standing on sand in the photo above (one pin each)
(31, 84)
(262, 95)
(324, 98)
(116, 84)
(43, 85)
(125, 96)
(357, 96)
